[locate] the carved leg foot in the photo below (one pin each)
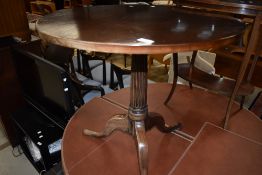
(142, 146)
(155, 119)
(118, 122)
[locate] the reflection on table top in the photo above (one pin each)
(137, 29)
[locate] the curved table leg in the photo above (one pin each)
(118, 122)
(142, 146)
(175, 70)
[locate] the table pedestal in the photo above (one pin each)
(138, 120)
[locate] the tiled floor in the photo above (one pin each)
(3, 139)
(10, 165)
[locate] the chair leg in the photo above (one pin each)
(119, 75)
(86, 68)
(125, 62)
(104, 72)
(190, 85)
(150, 62)
(255, 100)
(79, 69)
(175, 70)
(192, 62)
(111, 85)
(242, 102)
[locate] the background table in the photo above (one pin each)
(237, 7)
(244, 10)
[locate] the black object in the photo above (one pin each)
(256, 105)
(46, 85)
(119, 75)
(51, 99)
(35, 129)
(85, 68)
(147, 1)
(56, 170)
(105, 2)
(10, 96)
(48, 92)
(59, 4)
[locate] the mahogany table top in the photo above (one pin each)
(137, 29)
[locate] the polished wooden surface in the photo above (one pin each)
(116, 154)
(212, 82)
(216, 152)
(13, 20)
(137, 29)
(233, 61)
(10, 94)
(248, 8)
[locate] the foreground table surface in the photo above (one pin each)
(216, 151)
(137, 29)
(116, 154)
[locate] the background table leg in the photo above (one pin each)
(175, 69)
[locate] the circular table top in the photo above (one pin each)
(137, 29)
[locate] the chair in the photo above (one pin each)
(95, 67)
(63, 56)
(204, 61)
(45, 85)
(238, 52)
(86, 62)
(105, 2)
(100, 70)
(159, 58)
(219, 84)
(137, 2)
(42, 7)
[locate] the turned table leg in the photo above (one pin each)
(138, 120)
